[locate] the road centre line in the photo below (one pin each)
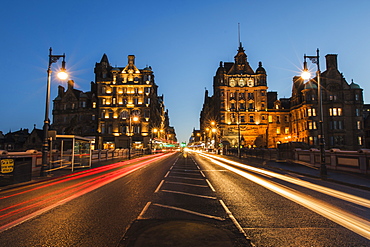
(187, 178)
(189, 194)
(143, 211)
(202, 174)
(159, 186)
(189, 211)
(210, 185)
(196, 185)
(167, 174)
(231, 216)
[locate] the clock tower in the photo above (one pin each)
(240, 102)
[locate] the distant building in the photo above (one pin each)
(242, 112)
(123, 104)
(14, 141)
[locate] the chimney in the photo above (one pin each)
(331, 61)
(70, 84)
(131, 59)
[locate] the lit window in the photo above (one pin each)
(358, 125)
(270, 119)
(278, 130)
(286, 130)
(359, 140)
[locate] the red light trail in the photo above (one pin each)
(14, 214)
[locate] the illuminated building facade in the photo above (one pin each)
(122, 108)
(244, 113)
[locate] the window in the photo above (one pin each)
(278, 130)
(286, 118)
(286, 130)
(103, 101)
(93, 117)
(358, 124)
(242, 118)
(270, 119)
(360, 140)
(251, 118)
(357, 112)
(94, 105)
(277, 119)
(114, 101)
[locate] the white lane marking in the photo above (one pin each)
(189, 194)
(196, 185)
(189, 211)
(202, 174)
(159, 186)
(143, 211)
(167, 174)
(231, 216)
(187, 170)
(187, 178)
(210, 185)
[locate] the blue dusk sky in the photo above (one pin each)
(183, 41)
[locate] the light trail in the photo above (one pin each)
(51, 200)
(341, 217)
(331, 192)
(77, 175)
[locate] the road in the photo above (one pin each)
(184, 199)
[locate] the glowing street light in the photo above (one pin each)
(62, 75)
(306, 75)
(131, 133)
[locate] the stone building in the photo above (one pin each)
(122, 108)
(343, 121)
(242, 112)
(238, 112)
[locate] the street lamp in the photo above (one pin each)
(131, 133)
(62, 75)
(306, 75)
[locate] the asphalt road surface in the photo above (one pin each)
(183, 199)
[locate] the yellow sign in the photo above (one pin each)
(7, 165)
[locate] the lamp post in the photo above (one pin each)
(306, 75)
(131, 133)
(62, 75)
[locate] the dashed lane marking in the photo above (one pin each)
(189, 194)
(210, 185)
(159, 186)
(196, 185)
(201, 179)
(143, 211)
(189, 211)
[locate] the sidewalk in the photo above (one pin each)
(358, 180)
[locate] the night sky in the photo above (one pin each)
(183, 41)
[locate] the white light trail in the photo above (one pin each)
(331, 192)
(341, 217)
